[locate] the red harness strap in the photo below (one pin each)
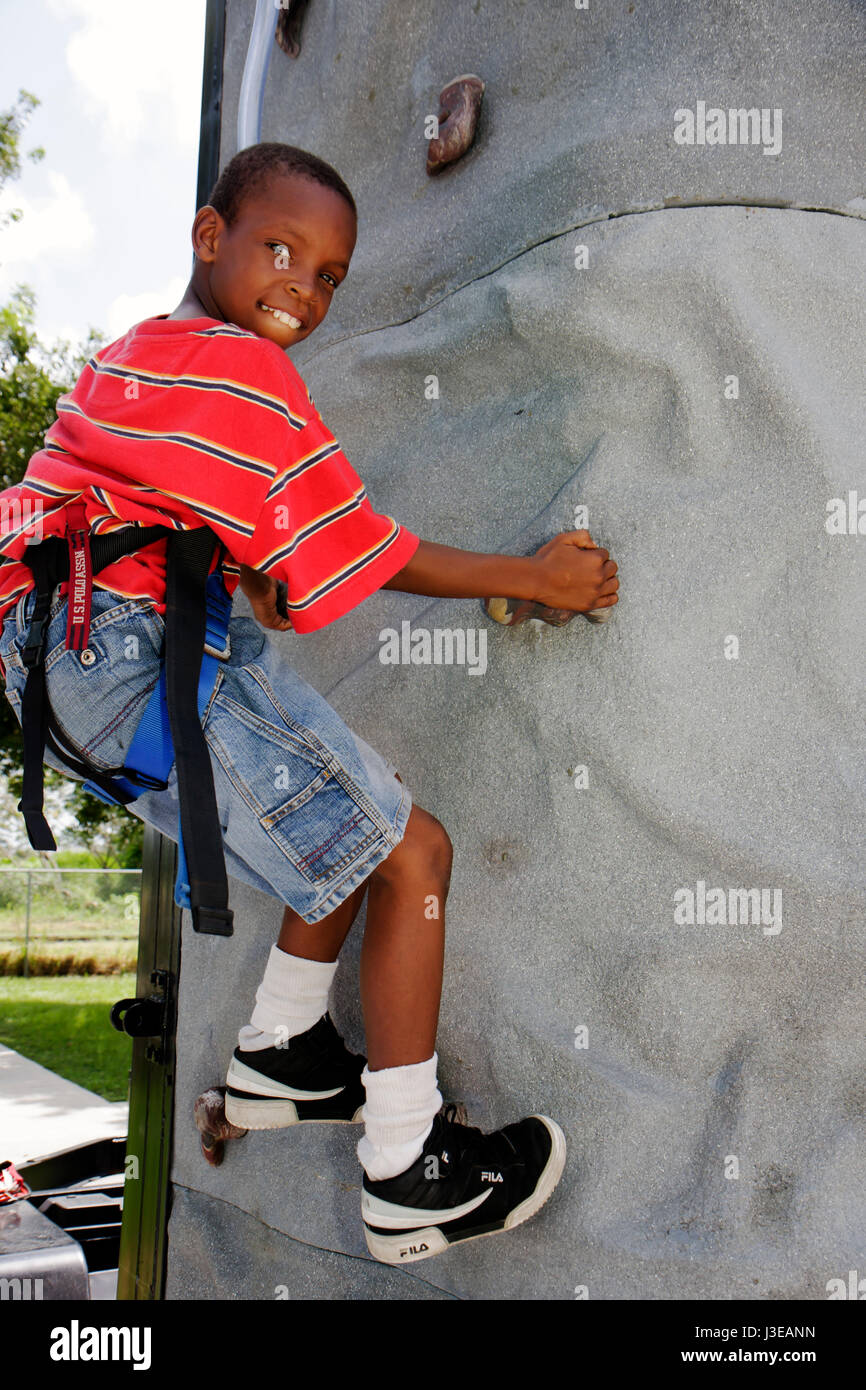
(80, 578)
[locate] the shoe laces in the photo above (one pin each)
(453, 1112)
(456, 1137)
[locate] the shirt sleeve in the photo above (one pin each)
(318, 531)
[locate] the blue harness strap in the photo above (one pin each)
(150, 756)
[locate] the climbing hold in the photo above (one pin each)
(459, 104)
(209, 1113)
(289, 24)
(511, 612)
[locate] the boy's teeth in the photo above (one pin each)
(282, 316)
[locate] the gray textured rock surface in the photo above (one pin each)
(603, 387)
(219, 1252)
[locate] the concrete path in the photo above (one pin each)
(42, 1113)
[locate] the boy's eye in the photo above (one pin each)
(282, 248)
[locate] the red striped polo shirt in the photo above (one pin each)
(187, 422)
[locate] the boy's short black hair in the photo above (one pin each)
(251, 169)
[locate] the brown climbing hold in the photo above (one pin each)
(289, 24)
(209, 1112)
(459, 105)
(511, 612)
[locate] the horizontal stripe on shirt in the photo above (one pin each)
(184, 423)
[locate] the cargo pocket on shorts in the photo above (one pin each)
(298, 799)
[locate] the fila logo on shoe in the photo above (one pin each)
(491, 1177)
(414, 1250)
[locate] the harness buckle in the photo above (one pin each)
(35, 644)
(224, 654)
(145, 779)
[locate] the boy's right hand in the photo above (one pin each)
(262, 590)
(576, 574)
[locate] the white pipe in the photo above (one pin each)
(256, 73)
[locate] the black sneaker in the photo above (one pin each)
(313, 1077)
(465, 1184)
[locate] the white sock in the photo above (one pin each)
(398, 1116)
(292, 996)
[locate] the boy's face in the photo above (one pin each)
(288, 250)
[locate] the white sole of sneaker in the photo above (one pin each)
(268, 1104)
(274, 1114)
(420, 1243)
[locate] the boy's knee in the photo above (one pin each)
(425, 849)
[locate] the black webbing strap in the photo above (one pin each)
(48, 562)
(188, 558)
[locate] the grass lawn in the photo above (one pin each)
(61, 1021)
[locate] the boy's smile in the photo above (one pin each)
(275, 269)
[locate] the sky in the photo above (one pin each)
(105, 236)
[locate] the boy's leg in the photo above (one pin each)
(401, 959)
(401, 986)
(404, 945)
(430, 1180)
(293, 994)
(320, 940)
(291, 1063)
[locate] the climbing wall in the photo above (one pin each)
(610, 302)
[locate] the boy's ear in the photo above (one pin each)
(207, 228)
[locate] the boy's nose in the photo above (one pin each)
(301, 289)
(304, 302)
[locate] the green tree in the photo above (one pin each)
(12, 123)
(33, 376)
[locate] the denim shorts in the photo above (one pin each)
(307, 808)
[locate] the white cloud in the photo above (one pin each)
(129, 309)
(136, 67)
(55, 226)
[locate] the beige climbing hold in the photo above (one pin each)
(498, 609)
(511, 612)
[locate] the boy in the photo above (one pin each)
(198, 417)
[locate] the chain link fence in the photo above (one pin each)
(68, 921)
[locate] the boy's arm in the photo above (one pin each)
(255, 584)
(261, 590)
(570, 572)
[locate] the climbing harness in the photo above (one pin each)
(197, 614)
